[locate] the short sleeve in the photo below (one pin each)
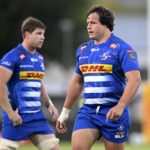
(8, 61)
(78, 71)
(128, 58)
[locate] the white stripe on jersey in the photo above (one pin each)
(99, 100)
(97, 78)
(31, 104)
(31, 111)
(32, 84)
(31, 94)
(98, 89)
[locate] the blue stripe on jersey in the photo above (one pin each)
(102, 95)
(98, 84)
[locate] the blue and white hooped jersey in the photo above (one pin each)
(24, 87)
(103, 67)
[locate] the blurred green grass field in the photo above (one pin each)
(97, 146)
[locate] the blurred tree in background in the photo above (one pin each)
(65, 21)
(53, 13)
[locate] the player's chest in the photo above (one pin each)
(98, 56)
(31, 64)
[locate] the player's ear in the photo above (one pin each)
(26, 34)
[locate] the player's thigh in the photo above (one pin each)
(84, 138)
(45, 141)
(112, 146)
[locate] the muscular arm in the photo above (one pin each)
(133, 82)
(132, 85)
(5, 76)
(74, 90)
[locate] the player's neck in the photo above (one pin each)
(28, 47)
(103, 38)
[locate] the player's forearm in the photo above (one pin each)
(45, 97)
(130, 91)
(74, 91)
(4, 102)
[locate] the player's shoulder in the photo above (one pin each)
(13, 53)
(84, 46)
(122, 44)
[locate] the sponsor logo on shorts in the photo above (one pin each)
(119, 135)
(31, 75)
(96, 68)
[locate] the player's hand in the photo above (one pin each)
(61, 127)
(114, 113)
(54, 112)
(61, 122)
(15, 118)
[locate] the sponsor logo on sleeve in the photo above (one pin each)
(7, 63)
(131, 54)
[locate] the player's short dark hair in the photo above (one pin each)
(30, 24)
(106, 17)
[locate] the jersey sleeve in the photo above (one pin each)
(8, 61)
(77, 70)
(128, 58)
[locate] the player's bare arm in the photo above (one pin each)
(133, 82)
(5, 75)
(48, 103)
(74, 91)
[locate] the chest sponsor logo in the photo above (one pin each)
(96, 68)
(83, 57)
(31, 75)
(26, 66)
